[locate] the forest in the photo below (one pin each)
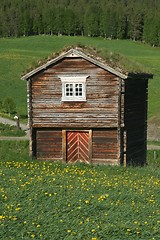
(138, 20)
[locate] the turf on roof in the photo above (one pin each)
(117, 61)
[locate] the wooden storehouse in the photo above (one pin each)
(82, 110)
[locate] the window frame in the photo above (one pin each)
(71, 90)
(73, 80)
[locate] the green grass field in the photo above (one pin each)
(47, 200)
(7, 130)
(17, 55)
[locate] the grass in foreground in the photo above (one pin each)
(47, 200)
(7, 130)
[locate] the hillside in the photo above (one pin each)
(17, 55)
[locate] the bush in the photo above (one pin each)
(9, 106)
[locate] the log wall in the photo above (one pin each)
(100, 109)
(105, 146)
(48, 144)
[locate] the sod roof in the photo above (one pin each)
(113, 62)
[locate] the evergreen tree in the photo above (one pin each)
(104, 24)
(70, 22)
(91, 21)
(136, 23)
(59, 20)
(152, 30)
(137, 20)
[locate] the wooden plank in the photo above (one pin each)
(90, 146)
(49, 143)
(105, 145)
(29, 106)
(64, 143)
(47, 92)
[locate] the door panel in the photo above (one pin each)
(77, 146)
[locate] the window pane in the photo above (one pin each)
(78, 89)
(80, 92)
(68, 89)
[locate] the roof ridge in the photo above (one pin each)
(90, 54)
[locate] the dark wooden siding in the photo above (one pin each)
(100, 109)
(135, 108)
(105, 146)
(49, 144)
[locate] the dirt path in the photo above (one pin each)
(13, 123)
(153, 131)
(14, 138)
(153, 147)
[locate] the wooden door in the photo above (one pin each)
(77, 146)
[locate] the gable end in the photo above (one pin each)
(73, 53)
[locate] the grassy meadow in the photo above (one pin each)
(17, 55)
(50, 200)
(47, 200)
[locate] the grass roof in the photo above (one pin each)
(115, 60)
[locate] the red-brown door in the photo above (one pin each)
(77, 146)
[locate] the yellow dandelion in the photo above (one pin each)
(17, 209)
(135, 222)
(68, 230)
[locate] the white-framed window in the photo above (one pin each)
(73, 88)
